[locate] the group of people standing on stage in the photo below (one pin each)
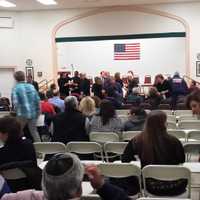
(79, 84)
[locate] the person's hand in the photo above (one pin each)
(94, 175)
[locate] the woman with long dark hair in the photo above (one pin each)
(154, 146)
(106, 120)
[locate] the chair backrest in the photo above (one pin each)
(167, 112)
(171, 118)
(189, 124)
(84, 148)
(171, 125)
(4, 113)
(49, 147)
(191, 148)
(147, 79)
(166, 173)
(164, 107)
(180, 134)
(41, 120)
(102, 137)
(128, 135)
(123, 118)
(120, 170)
(193, 136)
(114, 147)
(187, 117)
(13, 174)
(183, 112)
(122, 112)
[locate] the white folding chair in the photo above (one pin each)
(171, 125)
(102, 137)
(192, 151)
(49, 147)
(183, 112)
(116, 148)
(171, 118)
(193, 136)
(40, 120)
(122, 112)
(85, 148)
(180, 134)
(4, 113)
(166, 173)
(121, 170)
(187, 117)
(189, 124)
(128, 135)
(123, 118)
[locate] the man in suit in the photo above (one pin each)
(31, 81)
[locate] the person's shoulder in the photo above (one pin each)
(172, 139)
(24, 195)
(26, 142)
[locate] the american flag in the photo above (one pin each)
(129, 51)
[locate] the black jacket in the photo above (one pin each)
(69, 127)
(21, 150)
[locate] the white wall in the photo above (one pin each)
(92, 57)
(31, 37)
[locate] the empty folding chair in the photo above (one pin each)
(189, 124)
(102, 137)
(171, 125)
(193, 136)
(49, 147)
(121, 170)
(159, 179)
(183, 112)
(128, 135)
(116, 148)
(85, 148)
(192, 151)
(180, 134)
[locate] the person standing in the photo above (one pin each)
(26, 103)
(31, 81)
(76, 83)
(84, 85)
(63, 83)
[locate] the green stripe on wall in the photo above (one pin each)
(121, 37)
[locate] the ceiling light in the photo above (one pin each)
(48, 2)
(6, 4)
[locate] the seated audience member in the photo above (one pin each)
(97, 87)
(193, 86)
(162, 86)
(49, 93)
(153, 98)
(134, 97)
(136, 120)
(179, 89)
(154, 146)
(57, 101)
(87, 107)
(97, 101)
(15, 148)
(62, 180)
(106, 120)
(31, 81)
(46, 107)
(70, 125)
(4, 188)
(193, 102)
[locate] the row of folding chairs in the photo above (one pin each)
(107, 151)
(168, 112)
(184, 124)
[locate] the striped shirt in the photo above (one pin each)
(26, 101)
